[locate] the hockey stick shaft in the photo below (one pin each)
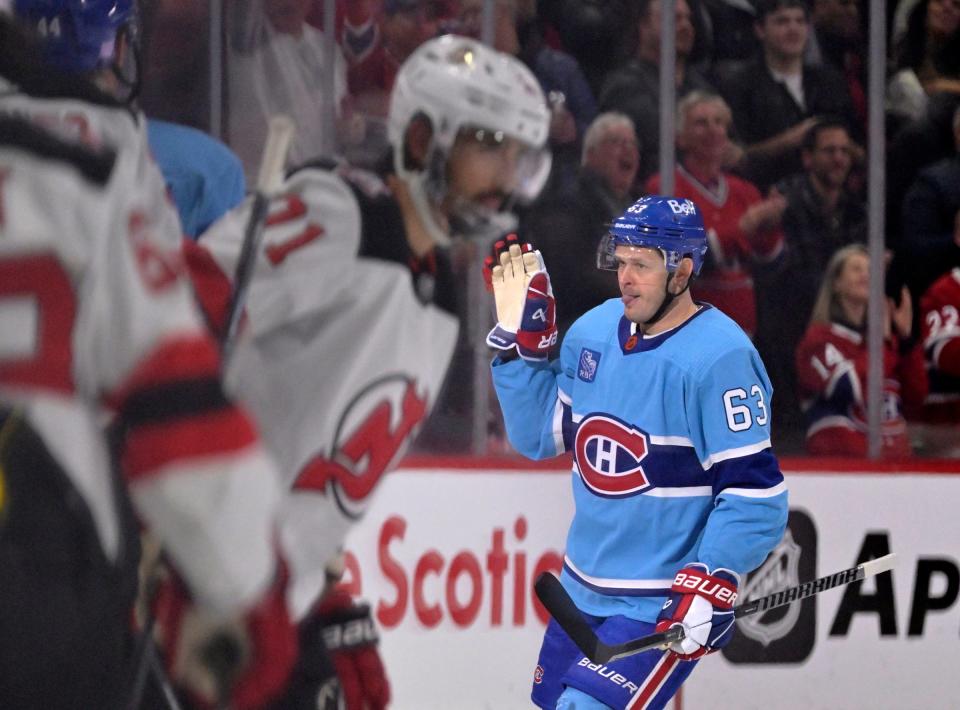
(555, 598)
(279, 136)
(821, 584)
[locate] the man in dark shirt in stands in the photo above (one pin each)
(821, 216)
(775, 98)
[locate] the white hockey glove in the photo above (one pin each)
(526, 310)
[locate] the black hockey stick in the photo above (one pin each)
(556, 600)
(279, 136)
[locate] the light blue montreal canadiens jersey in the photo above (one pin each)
(670, 436)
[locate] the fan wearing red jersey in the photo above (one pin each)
(940, 335)
(743, 228)
(832, 364)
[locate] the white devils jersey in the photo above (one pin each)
(347, 343)
(97, 126)
(97, 322)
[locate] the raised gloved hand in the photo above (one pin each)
(526, 310)
(703, 604)
(351, 639)
(245, 659)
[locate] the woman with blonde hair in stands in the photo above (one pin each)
(832, 363)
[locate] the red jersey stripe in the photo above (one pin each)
(211, 285)
(151, 448)
(186, 356)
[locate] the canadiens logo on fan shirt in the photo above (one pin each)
(589, 360)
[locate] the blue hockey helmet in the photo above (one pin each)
(671, 224)
(78, 35)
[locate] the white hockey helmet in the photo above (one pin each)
(458, 83)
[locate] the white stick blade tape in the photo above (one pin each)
(881, 564)
(280, 132)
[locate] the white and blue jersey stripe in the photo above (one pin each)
(670, 436)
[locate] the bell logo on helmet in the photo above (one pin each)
(684, 207)
(670, 224)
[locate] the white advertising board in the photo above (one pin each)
(447, 557)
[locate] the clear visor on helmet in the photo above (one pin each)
(483, 176)
(522, 169)
(533, 169)
(607, 252)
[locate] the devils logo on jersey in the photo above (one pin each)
(371, 436)
(608, 453)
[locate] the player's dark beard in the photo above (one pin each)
(469, 217)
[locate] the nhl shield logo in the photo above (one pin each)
(786, 634)
(779, 571)
(589, 360)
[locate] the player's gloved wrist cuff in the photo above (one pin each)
(536, 345)
(719, 588)
(347, 625)
(501, 338)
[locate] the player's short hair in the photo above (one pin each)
(768, 7)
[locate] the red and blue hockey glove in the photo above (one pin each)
(703, 604)
(350, 637)
(526, 310)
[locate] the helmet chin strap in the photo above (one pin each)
(668, 299)
(418, 193)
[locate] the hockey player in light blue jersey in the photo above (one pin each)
(665, 405)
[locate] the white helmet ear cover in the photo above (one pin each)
(426, 184)
(416, 184)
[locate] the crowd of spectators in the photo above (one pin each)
(770, 141)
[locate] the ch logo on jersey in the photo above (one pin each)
(608, 455)
(587, 369)
(372, 435)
